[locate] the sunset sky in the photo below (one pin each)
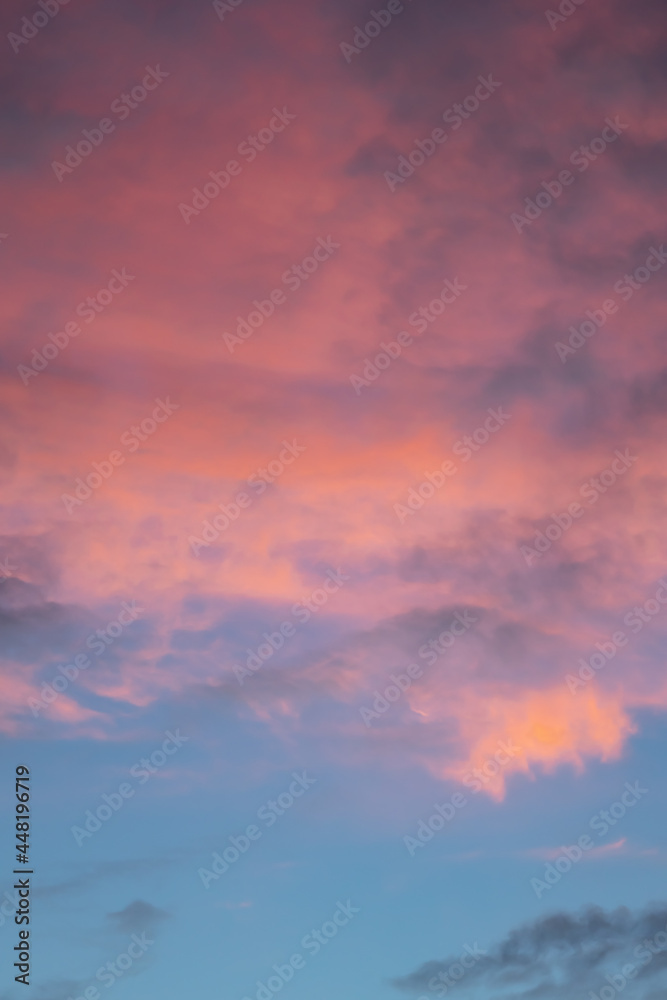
(333, 394)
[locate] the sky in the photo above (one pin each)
(333, 578)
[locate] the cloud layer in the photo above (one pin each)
(471, 543)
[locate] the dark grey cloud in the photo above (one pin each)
(136, 917)
(31, 626)
(35, 629)
(559, 956)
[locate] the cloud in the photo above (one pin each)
(137, 916)
(619, 846)
(104, 870)
(60, 989)
(494, 347)
(557, 957)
